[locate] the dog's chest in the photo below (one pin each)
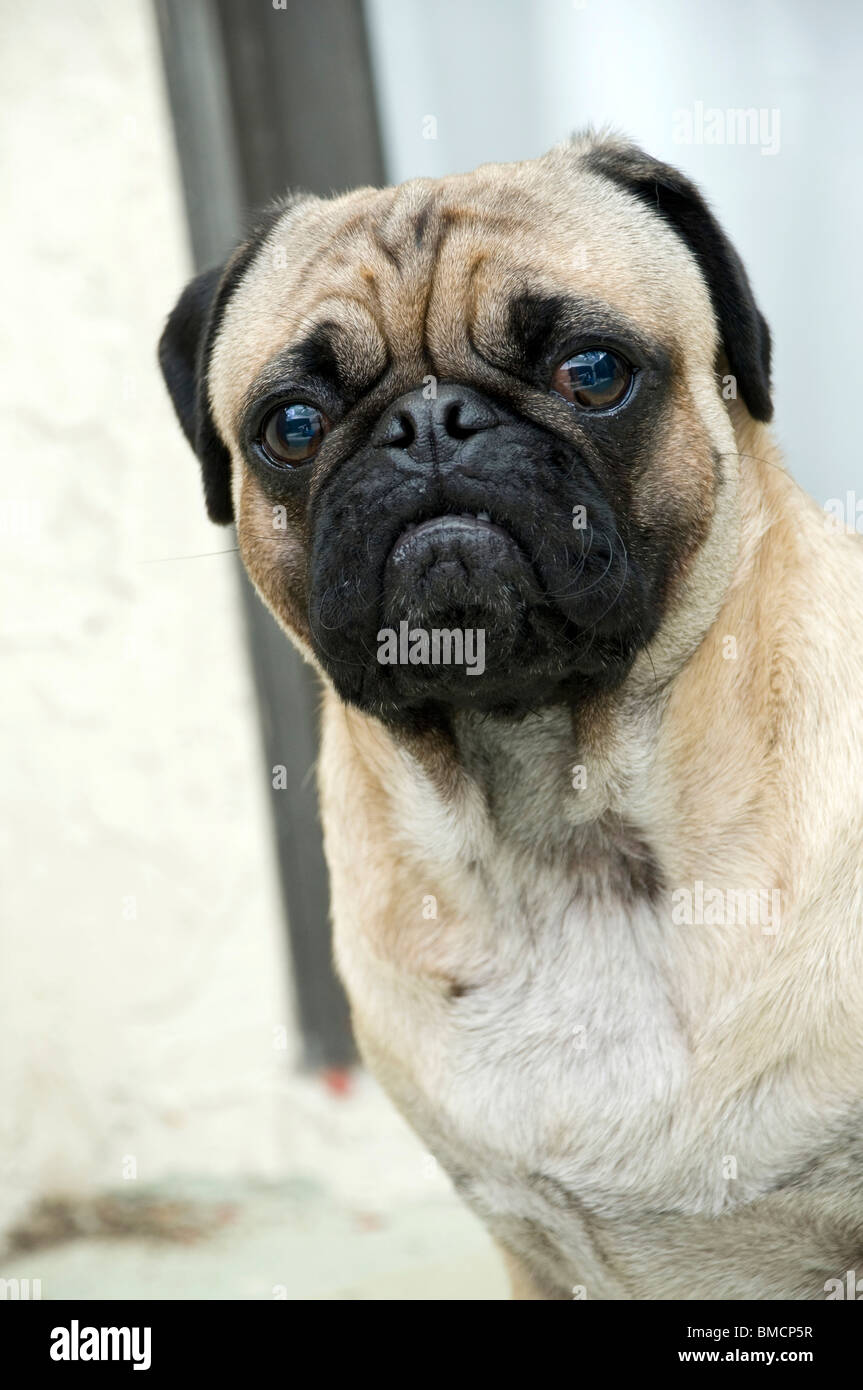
(536, 1035)
(545, 1079)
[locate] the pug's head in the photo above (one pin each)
(489, 407)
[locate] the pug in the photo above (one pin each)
(591, 773)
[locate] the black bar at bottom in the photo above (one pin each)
(219, 1338)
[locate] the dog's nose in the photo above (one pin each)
(432, 424)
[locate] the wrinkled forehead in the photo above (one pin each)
(404, 274)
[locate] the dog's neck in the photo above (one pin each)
(546, 779)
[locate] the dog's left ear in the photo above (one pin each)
(184, 352)
(743, 329)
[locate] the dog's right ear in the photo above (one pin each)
(186, 346)
(184, 354)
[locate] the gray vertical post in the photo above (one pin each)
(263, 99)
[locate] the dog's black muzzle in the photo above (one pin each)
(461, 517)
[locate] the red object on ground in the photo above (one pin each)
(338, 1080)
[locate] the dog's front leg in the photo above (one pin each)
(523, 1284)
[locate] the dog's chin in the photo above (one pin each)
(465, 623)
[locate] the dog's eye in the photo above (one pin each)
(293, 434)
(594, 379)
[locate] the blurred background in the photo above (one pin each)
(181, 1115)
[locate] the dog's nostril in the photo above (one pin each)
(408, 431)
(462, 419)
(453, 424)
(400, 433)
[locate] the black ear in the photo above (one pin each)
(184, 351)
(744, 332)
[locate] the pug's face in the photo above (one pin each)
(487, 407)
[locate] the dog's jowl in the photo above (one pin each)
(498, 455)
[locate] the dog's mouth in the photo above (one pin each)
(464, 609)
(460, 568)
(448, 528)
